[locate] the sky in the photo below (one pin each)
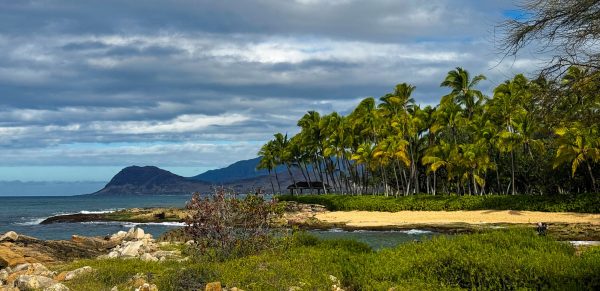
(89, 87)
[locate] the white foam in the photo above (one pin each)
(97, 211)
(32, 221)
(416, 231)
(336, 230)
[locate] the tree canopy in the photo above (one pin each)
(530, 136)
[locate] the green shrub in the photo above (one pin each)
(508, 259)
(583, 203)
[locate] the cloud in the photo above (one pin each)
(111, 82)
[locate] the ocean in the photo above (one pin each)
(24, 214)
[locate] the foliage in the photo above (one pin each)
(530, 137)
(224, 225)
(500, 259)
(583, 203)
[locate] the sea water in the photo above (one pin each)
(24, 214)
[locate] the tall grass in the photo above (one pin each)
(584, 203)
(500, 259)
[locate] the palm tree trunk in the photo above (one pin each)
(591, 176)
(512, 165)
(277, 178)
(271, 180)
(290, 172)
(397, 182)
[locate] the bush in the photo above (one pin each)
(224, 226)
(583, 203)
(512, 259)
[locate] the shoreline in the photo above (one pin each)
(562, 225)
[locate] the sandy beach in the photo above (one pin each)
(379, 219)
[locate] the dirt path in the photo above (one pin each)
(378, 219)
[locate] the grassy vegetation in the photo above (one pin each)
(499, 259)
(583, 203)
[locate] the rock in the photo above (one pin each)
(113, 254)
(147, 287)
(119, 236)
(294, 288)
(78, 272)
(9, 236)
(114, 288)
(235, 289)
(93, 242)
(213, 286)
(8, 288)
(57, 287)
(9, 258)
(148, 258)
(3, 275)
(135, 233)
(131, 249)
(34, 269)
(33, 282)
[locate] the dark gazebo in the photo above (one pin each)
(303, 185)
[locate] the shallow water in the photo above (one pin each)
(377, 239)
(23, 215)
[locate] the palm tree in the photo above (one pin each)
(463, 90)
(578, 145)
(267, 161)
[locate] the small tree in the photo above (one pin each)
(224, 225)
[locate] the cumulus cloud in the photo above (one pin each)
(113, 83)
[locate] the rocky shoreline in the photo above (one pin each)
(24, 259)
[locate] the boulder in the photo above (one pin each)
(3, 275)
(93, 242)
(131, 249)
(78, 272)
(148, 258)
(34, 269)
(9, 258)
(33, 282)
(147, 287)
(9, 236)
(119, 236)
(57, 287)
(135, 233)
(213, 286)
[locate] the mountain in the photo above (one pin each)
(151, 180)
(241, 170)
(241, 176)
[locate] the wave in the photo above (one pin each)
(416, 231)
(31, 221)
(132, 224)
(38, 220)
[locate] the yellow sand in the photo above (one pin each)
(374, 219)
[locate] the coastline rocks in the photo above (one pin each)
(93, 242)
(138, 244)
(77, 272)
(213, 286)
(8, 257)
(26, 249)
(57, 287)
(9, 236)
(135, 233)
(33, 282)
